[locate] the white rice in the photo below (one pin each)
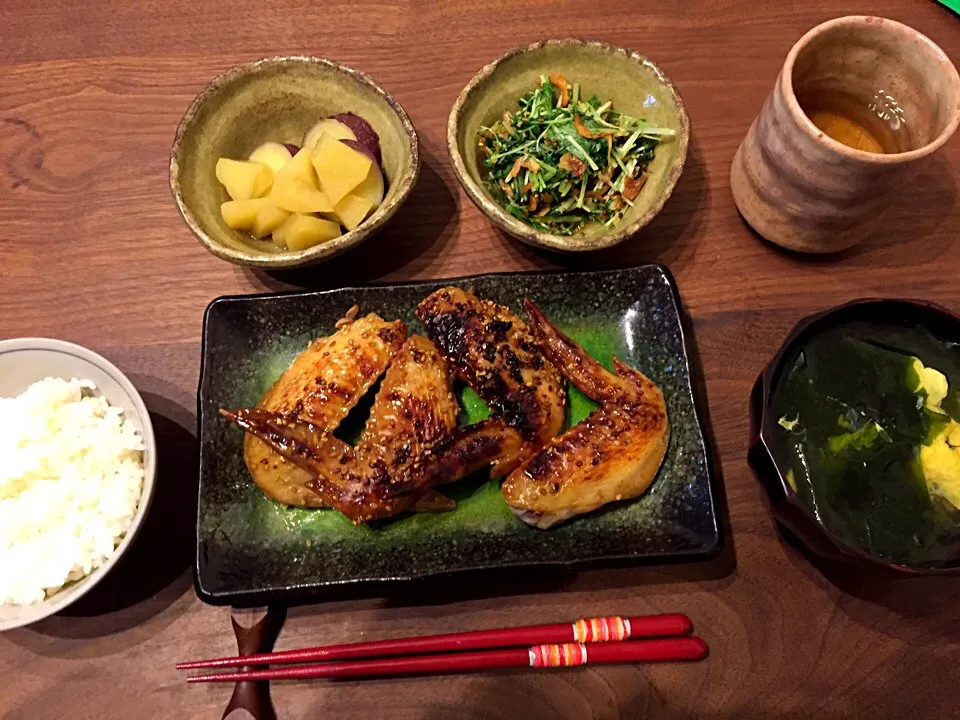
(71, 475)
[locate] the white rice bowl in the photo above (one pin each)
(71, 480)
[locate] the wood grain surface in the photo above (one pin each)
(92, 250)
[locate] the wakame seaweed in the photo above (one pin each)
(853, 417)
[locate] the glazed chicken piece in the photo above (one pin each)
(414, 410)
(407, 447)
(340, 481)
(321, 386)
(493, 351)
(326, 380)
(300, 443)
(469, 449)
(409, 442)
(614, 454)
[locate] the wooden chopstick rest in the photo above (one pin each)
(256, 630)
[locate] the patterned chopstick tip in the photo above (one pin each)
(566, 655)
(606, 629)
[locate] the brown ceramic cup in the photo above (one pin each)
(803, 190)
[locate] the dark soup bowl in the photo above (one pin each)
(856, 435)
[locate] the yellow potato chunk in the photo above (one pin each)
(333, 128)
(272, 154)
(299, 168)
(268, 218)
(339, 167)
(299, 232)
(260, 216)
(300, 198)
(352, 210)
(372, 187)
(239, 214)
(244, 180)
(295, 188)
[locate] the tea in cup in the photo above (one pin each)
(860, 103)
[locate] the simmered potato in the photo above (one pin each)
(239, 214)
(260, 216)
(302, 196)
(364, 132)
(300, 232)
(244, 180)
(373, 186)
(268, 218)
(300, 169)
(352, 210)
(339, 167)
(295, 188)
(272, 154)
(331, 127)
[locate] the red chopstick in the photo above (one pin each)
(608, 629)
(539, 656)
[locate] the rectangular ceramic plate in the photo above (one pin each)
(252, 550)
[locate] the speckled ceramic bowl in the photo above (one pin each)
(637, 87)
(279, 99)
(28, 360)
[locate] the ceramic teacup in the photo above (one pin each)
(800, 188)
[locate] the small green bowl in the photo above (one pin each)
(279, 99)
(637, 87)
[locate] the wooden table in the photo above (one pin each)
(92, 250)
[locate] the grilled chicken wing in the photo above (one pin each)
(392, 465)
(321, 386)
(327, 379)
(409, 443)
(414, 410)
(468, 450)
(301, 443)
(614, 454)
(493, 351)
(407, 447)
(340, 480)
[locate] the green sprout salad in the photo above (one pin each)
(561, 162)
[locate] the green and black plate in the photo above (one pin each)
(251, 550)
